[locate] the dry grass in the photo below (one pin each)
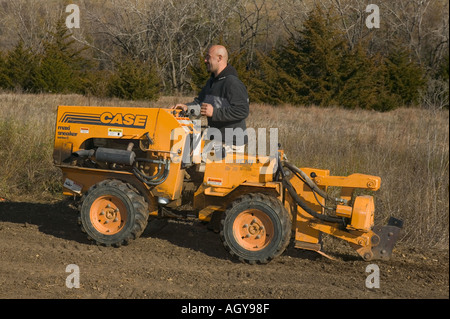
(407, 148)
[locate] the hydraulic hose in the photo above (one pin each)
(311, 183)
(307, 179)
(287, 185)
(157, 179)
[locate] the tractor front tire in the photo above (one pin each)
(256, 228)
(112, 213)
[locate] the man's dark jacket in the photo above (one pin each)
(229, 97)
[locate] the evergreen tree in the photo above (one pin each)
(61, 64)
(403, 77)
(307, 70)
(318, 67)
(443, 70)
(363, 81)
(315, 57)
(21, 65)
(258, 76)
(271, 84)
(5, 82)
(95, 82)
(135, 80)
(385, 100)
(357, 78)
(442, 77)
(198, 74)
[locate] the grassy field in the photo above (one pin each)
(408, 148)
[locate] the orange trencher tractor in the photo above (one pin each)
(126, 164)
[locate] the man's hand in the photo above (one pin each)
(180, 107)
(207, 110)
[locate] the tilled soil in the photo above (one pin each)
(182, 259)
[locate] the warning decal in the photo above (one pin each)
(115, 132)
(214, 181)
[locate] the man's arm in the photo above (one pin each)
(194, 107)
(237, 96)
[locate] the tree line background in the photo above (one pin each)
(300, 52)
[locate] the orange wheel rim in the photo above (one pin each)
(253, 229)
(108, 215)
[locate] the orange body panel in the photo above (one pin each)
(146, 127)
(363, 213)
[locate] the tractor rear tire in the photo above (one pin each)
(256, 228)
(112, 213)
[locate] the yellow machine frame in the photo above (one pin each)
(161, 134)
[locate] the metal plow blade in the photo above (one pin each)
(389, 235)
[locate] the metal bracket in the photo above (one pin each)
(388, 237)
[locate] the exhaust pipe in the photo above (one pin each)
(84, 153)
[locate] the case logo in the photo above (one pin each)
(106, 118)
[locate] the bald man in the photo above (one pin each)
(223, 100)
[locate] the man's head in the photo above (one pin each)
(216, 59)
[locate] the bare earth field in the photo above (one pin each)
(182, 259)
(177, 262)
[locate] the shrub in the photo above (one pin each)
(20, 67)
(134, 80)
(5, 81)
(404, 78)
